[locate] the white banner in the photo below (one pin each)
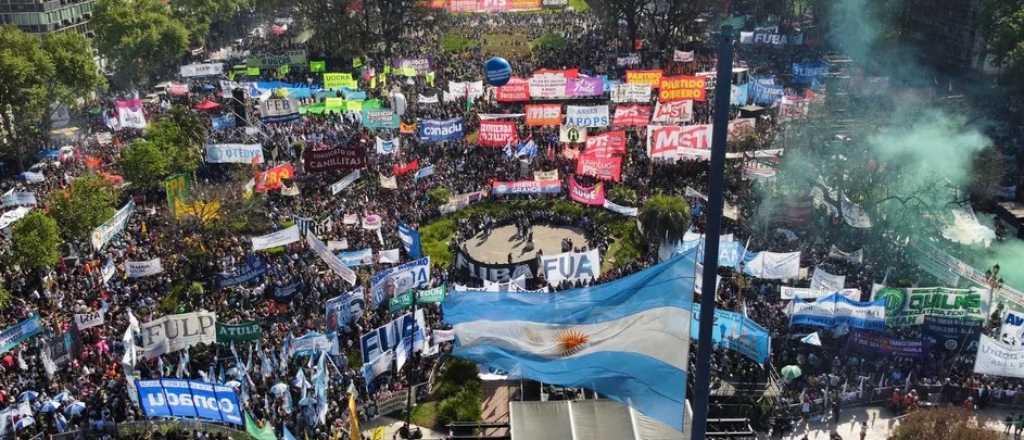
(631, 93)
(432, 99)
(210, 69)
(805, 293)
(10, 217)
(175, 332)
(587, 116)
(388, 182)
(275, 239)
(825, 281)
(108, 270)
(669, 113)
(682, 57)
(570, 266)
(19, 198)
(774, 266)
(471, 90)
(572, 134)
(136, 269)
(388, 146)
(88, 320)
(624, 210)
(131, 117)
(340, 185)
(1012, 330)
(389, 256)
(853, 214)
(547, 86)
(234, 153)
(332, 261)
(339, 245)
(103, 233)
(998, 359)
(856, 256)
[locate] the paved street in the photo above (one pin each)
(881, 423)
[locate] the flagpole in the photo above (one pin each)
(712, 231)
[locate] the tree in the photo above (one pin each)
(987, 170)
(623, 194)
(36, 239)
(1002, 25)
(942, 424)
(140, 37)
(336, 28)
(85, 205)
(464, 406)
(144, 164)
(198, 16)
(665, 218)
(439, 196)
(75, 72)
(25, 77)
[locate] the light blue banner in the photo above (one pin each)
(733, 331)
(13, 336)
(836, 310)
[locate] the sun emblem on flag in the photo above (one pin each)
(571, 342)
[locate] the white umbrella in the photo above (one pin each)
(49, 406)
(232, 384)
(63, 397)
(28, 396)
(812, 339)
(24, 422)
(279, 388)
(74, 409)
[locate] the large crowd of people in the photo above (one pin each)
(95, 376)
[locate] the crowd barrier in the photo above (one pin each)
(927, 395)
(138, 428)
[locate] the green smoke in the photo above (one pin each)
(901, 154)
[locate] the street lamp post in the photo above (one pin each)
(723, 86)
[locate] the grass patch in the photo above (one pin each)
(425, 415)
(579, 5)
(549, 41)
(455, 43)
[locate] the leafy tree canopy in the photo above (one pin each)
(665, 218)
(86, 204)
(141, 37)
(36, 239)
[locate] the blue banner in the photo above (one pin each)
(20, 332)
(424, 172)
(439, 131)
(885, 345)
(205, 400)
(764, 91)
(836, 310)
(179, 398)
(809, 73)
(410, 240)
(254, 268)
(188, 398)
(740, 95)
(733, 331)
(361, 257)
(151, 396)
(223, 122)
(353, 94)
(285, 293)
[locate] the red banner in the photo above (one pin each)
(592, 195)
(543, 114)
(497, 133)
(673, 142)
(400, 170)
(683, 88)
(517, 90)
(272, 179)
(632, 115)
(568, 73)
(608, 168)
(606, 144)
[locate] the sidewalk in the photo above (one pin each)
(880, 421)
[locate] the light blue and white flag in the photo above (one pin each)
(628, 339)
(410, 240)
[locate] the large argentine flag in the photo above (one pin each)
(628, 339)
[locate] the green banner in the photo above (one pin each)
(336, 80)
(433, 296)
(908, 307)
(318, 66)
(176, 188)
(252, 71)
(241, 332)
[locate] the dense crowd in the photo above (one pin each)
(96, 377)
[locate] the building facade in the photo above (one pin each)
(46, 16)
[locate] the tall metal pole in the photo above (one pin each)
(723, 86)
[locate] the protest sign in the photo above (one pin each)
(910, 306)
(137, 269)
(14, 335)
(543, 114)
(517, 90)
(674, 142)
(187, 398)
(387, 283)
(199, 69)
(280, 238)
(340, 185)
(344, 308)
(587, 116)
(88, 320)
(336, 158)
(103, 233)
(234, 153)
(241, 332)
(682, 88)
(570, 266)
(647, 77)
(432, 131)
(526, 187)
(632, 115)
(320, 249)
(604, 168)
(885, 345)
(495, 133)
(547, 86)
(670, 113)
(499, 273)
(572, 134)
(836, 310)
(273, 178)
(733, 331)
(631, 93)
(175, 332)
(998, 359)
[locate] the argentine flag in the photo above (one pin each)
(628, 339)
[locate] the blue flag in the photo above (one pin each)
(410, 240)
(628, 339)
